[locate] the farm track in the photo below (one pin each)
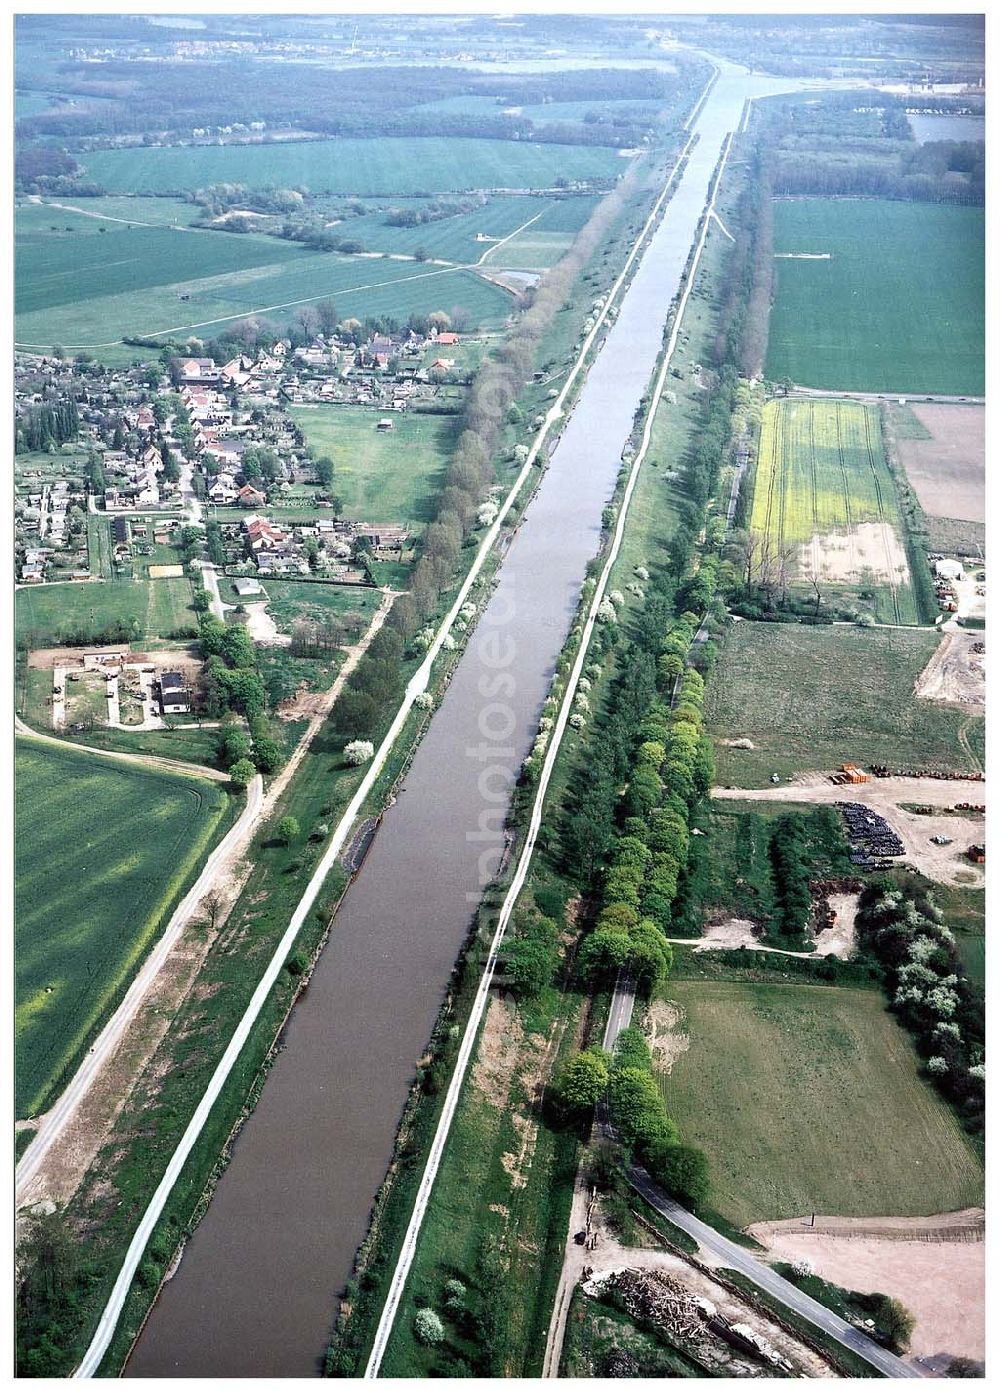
(873, 465)
(963, 738)
(139, 760)
(56, 1127)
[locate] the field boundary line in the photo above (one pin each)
(510, 236)
(151, 762)
(405, 1261)
(108, 1321)
(51, 1122)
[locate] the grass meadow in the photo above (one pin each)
(356, 167)
(381, 475)
(899, 306)
(809, 1098)
(454, 238)
(289, 599)
(812, 698)
(102, 852)
(45, 613)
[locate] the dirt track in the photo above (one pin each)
(955, 674)
(82, 1117)
(943, 863)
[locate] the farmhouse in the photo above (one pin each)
(174, 695)
(386, 538)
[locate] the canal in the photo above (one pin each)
(256, 1291)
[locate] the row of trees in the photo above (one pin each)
(929, 989)
(42, 428)
(638, 1110)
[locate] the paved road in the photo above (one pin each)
(53, 1123)
(620, 1013)
(735, 1257)
(918, 399)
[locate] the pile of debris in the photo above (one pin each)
(658, 1300)
(880, 770)
(873, 842)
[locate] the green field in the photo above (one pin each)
(390, 475)
(160, 607)
(454, 238)
(809, 1098)
(899, 306)
(83, 289)
(815, 697)
(290, 599)
(362, 168)
(821, 475)
(102, 851)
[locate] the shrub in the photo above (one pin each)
(428, 1327)
(358, 751)
(682, 1170)
(242, 773)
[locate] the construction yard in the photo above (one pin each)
(888, 797)
(688, 1322)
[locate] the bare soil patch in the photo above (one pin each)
(838, 940)
(497, 1054)
(667, 1039)
(955, 674)
(869, 551)
(942, 1283)
(948, 471)
(262, 627)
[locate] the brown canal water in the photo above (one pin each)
(256, 1291)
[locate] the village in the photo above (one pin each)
(192, 439)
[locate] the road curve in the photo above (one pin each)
(735, 1257)
(52, 1124)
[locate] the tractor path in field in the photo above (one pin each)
(149, 760)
